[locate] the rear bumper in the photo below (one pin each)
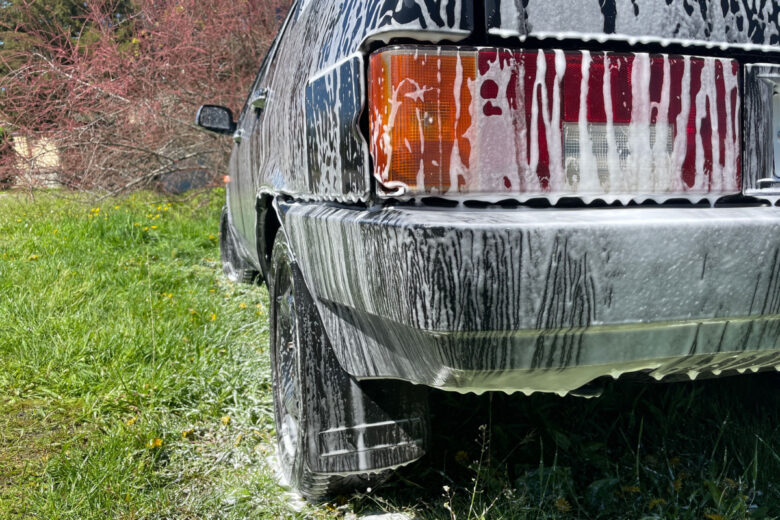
(542, 299)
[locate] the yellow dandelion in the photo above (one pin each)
(33, 258)
(159, 208)
(212, 237)
(213, 317)
(146, 228)
(155, 443)
(116, 207)
(242, 305)
(186, 433)
(131, 421)
(225, 420)
(18, 220)
(562, 505)
(55, 231)
(462, 458)
(656, 502)
(154, 227)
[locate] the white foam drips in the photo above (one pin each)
(588, 170)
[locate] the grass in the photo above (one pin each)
(134, 384)
(695, 450)
(133, 377)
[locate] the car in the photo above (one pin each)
(480, 196)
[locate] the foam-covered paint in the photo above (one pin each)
(279, 141)
(543, 300)
(514, 300)
(745, 24)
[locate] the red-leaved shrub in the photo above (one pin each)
(108, 99)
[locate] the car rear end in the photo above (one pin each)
(548, 210)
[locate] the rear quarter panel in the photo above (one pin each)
(322, 44)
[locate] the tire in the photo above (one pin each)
(304, 372)
(235, 268)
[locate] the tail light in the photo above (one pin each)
(551, 123)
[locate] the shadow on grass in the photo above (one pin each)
(704, 449)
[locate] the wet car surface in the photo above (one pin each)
(479, 196)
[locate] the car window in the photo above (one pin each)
(268, 59)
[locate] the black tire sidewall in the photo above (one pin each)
(311, 371)
(281, 266)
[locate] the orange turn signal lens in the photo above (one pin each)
(420, 117)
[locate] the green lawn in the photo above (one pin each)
(133, 377)
(134, 384)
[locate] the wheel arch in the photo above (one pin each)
(268, 225)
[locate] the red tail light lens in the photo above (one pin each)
(553, 123)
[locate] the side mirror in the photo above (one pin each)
(215, 118)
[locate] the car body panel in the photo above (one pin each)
(478, 300)
(275, 142)
(525, 298)
(736, 24)
(337, 153)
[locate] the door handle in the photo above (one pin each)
(260, 101)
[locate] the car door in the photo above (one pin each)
(242, 191)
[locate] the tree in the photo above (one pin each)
(26, 26)
(115, 84)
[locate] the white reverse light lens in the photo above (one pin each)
(625, 153)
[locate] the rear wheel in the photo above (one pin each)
(235, 268)
(298, 356)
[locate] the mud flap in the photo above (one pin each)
(355, 427)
